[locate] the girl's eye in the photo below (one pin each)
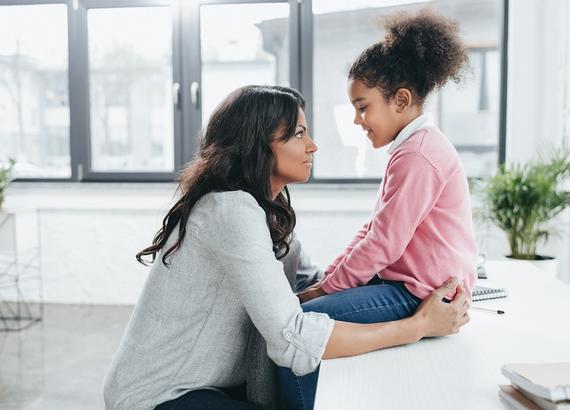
(299, 134)
(361, 109)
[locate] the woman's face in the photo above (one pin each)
(377, 117)
(294, 157)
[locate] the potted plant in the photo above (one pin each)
(5, 177)
(522, 199)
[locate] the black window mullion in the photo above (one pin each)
(177, 79)
(191, 78)
(78, 90)
(306, 62)
(503, 81)
(295, 69)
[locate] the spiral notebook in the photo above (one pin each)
(483, 293)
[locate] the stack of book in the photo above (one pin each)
(537, 386)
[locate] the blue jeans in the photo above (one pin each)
(232, 398)
(379, 301)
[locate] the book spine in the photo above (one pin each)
(527, 385)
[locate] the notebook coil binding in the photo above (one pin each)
(483, 293)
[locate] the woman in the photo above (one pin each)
(217, 275)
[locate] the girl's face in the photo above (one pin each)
(379, 118)
(294, 157)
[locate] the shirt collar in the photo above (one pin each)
(423, 121)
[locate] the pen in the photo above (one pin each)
(499, 312)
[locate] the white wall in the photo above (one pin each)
(90, 233)
(539, 73)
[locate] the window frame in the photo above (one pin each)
(192, 59)
(47, 2)
(307, 89)
(83, 168)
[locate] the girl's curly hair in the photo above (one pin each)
(420, 51)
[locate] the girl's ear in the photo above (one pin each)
(403, 99)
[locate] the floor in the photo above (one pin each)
(60, 362)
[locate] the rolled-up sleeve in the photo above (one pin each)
(240, 241)
(305, 338)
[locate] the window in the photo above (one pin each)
(34, 99)
(251, 49)
(130, 89)
(468, 114)
(125, 99)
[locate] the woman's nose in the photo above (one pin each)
(311, 146)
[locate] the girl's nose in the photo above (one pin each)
(357, 119)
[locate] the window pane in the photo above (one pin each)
(34, 103)
(467, 113)
(253, 49)
(130, 88)
(470, 113)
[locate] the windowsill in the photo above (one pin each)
(160, 196)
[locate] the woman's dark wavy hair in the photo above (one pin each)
(235, 154)
(420, 51)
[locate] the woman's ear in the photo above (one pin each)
(403, 99)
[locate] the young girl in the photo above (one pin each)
(421, 232)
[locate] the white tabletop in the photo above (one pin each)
(460, 371)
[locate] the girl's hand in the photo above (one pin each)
(437, 318)
(311, 292)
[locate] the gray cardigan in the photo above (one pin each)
(208, 320)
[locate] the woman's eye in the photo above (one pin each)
(299, 134)
(361, 109)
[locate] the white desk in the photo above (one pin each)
(460, 371)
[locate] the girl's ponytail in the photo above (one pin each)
(420, 51)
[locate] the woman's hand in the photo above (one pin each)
(437, 318)
(312, 292)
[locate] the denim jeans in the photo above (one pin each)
(232, 398)
(379, 301)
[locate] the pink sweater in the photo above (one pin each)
(421, 232)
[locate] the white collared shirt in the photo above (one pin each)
(423, 121)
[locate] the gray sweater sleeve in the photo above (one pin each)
(239, 239)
